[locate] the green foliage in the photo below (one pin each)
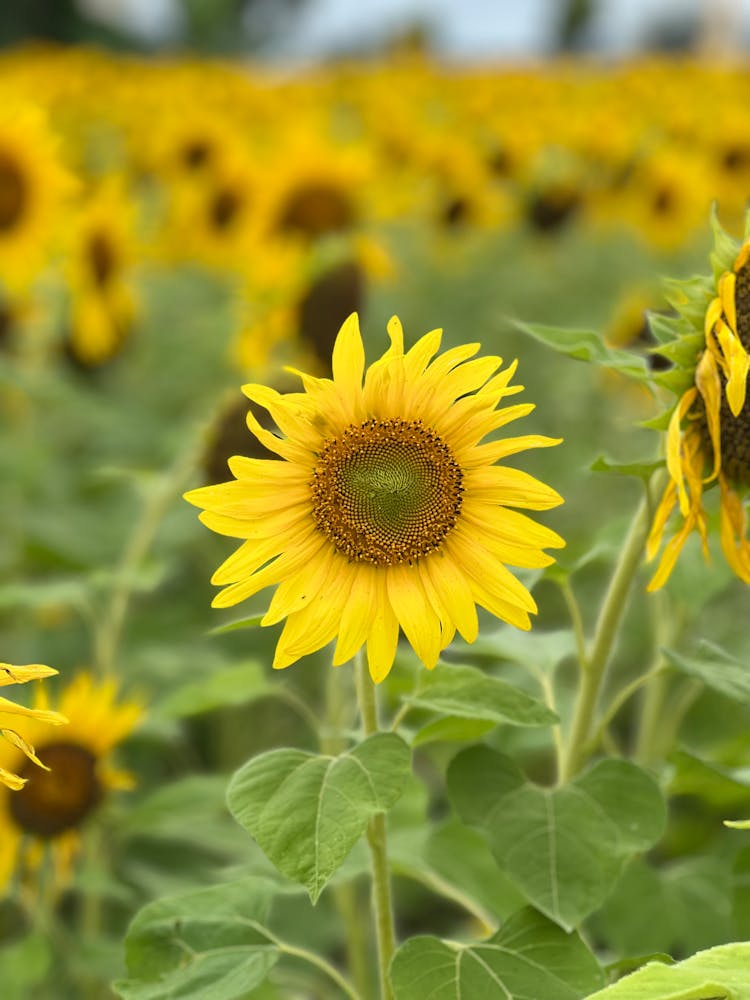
(307, 811)
(563, 848)
(586, 345)
(529, 957)
(718, 974)
(210, 942)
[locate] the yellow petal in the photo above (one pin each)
(348, 361)
(383, 636)
(11, 708)
(454, 593)
(709, 386)
(727, 284)
(359, 613)
(20, 744)
(415, 616)
(12, 674)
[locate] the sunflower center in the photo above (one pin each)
(735, 431)
(224, 208)
(195, 153)
(315, 209)
(102, 259)
(386, 491)
(12, 192)
(57, 800)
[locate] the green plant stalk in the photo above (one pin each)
(377, 839)
(593, 668)
(169, 485)
(345, 896)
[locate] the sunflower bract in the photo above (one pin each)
(388, 512)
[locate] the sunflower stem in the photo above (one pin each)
(346, 898)
(382, 904)
(593, 667)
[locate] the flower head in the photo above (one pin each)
(387, 511)
(52, 805)
(708, 436)
(20, 675)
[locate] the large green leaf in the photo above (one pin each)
(716, 668)
(721, 973)
(563, 848)
(209, 942)
(306, 811)
(529, 957)
(586, 345)
(474, 694)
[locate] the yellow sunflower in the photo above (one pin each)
(50, 808)
(709, 427)
(10, 674)
(101, 260)
(33, 185)
(387, 511)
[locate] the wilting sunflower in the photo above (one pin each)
(10, 674)
(387, 511)
(709, 427)
(51, 807)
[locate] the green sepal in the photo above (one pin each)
(660, 422)
(641, 470)
(587, 345)
(725, 248)
(683, 351)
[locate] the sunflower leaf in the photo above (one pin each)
(642, 470)
(529, 957)
(199, 943)
(307, 811)
(717, 974)
(473, 694)
(240, 623)
(586, 345)
(563, 848)
(716, 668)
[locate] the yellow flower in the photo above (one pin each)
(708, 432)
(20, 675)
(33, 185)
(52, 806)
(387, 511)
(100, 265)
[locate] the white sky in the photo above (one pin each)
(464, 28)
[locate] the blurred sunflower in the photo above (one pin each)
(100, 263)
(387, 511)
(50, 809)
(709, 427)
(10, 674)
(33, 185)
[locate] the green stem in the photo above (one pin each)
(345, 895)
(377, 839)
(314, 959)
(593, 668)
(163, 493)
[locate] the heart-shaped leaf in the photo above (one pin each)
(562, 847)
(306, 811)
(528, 957)
(209, 942)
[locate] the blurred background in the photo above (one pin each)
(196, 193)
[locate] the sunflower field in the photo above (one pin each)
(428, 384)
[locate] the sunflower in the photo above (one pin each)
(709, 427)
(10, 674)
(50, 808)
(100, 275)
(33, 185)
(387, 511)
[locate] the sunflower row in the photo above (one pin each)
(279, 182)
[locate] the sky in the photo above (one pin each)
(463, 29)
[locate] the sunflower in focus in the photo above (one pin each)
(709, 427)
(10, 674)
(388, 510)
(33, 186)
(52, 806)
